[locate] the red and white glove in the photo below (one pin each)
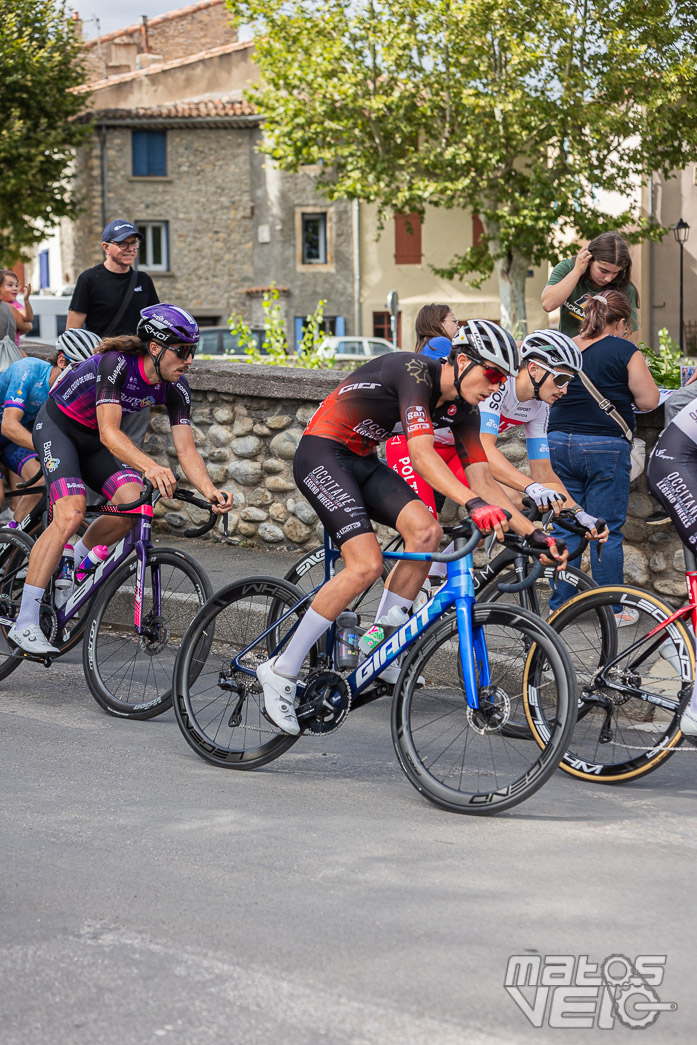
(485, 516)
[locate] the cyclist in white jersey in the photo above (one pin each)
(549, 362)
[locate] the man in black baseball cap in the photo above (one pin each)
(109, 297)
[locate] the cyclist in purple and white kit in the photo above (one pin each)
(672, 477)
(79, 441)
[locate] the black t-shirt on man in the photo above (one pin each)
(99, 293)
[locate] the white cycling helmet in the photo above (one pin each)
(552, 347)
(487, 343)
(77, 345)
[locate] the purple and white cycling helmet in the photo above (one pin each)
(167, 325)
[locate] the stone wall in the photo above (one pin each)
(248, 420)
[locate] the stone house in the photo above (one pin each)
(175, 150)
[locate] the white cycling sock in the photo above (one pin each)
(390, 599)
(31, 606)
(311, 627)
(79, 551)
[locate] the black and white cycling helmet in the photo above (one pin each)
(552, 347)
(487, 343)
(78, 345)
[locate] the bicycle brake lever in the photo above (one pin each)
(489, 543)
(546, 520)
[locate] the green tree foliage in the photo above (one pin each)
(39, 67)
(523, 110)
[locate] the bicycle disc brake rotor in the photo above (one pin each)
(331, 699)
(154, 636)
(493, 712)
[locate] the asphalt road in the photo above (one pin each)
(147, 896)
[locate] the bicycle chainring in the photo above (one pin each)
(330, 697)
(493, 712)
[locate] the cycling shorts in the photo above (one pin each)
(672, 477)
(346, 489)
(73, 456)
(398, 459)
(13, 456)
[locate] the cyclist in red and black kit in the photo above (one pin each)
(337, 468)
(78, 438)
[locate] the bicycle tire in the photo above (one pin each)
(15, 548)
(642, 736)
(130, 675)
(204, 710)
(523, 650)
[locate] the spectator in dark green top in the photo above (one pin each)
(604, 264)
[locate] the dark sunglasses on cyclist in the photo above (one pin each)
(494, 376)
(560, 380)
(184, 351)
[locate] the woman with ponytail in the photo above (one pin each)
(588, 450)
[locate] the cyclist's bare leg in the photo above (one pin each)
(363, 560)
(68, 513)
(421, 533)
(108, 529)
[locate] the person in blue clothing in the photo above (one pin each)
(24, 389)
(588, 449)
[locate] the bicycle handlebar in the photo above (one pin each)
(181, 495)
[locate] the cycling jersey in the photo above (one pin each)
(672, 473)
(503, 410)
(118, 377)
(25, 386)
(399, 387)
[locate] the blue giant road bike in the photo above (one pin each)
(467, 670)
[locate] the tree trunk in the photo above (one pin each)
(512, 272)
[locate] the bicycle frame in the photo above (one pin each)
(690, 609)
(138, 540)
(458, 591)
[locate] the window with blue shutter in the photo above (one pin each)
(149, 154)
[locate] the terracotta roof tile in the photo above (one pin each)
(195, 109)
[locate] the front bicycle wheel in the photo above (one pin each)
(217, 699)
(15, 548)
(130, 674)
(461, 758)
(632, 687)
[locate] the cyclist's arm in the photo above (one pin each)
(109, 420)
(13, 429)
(194, 468)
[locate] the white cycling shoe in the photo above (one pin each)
(279, 694)
(688, 722)
(31, 640)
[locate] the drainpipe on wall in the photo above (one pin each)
(103, 163)
(357, 321)
(144, 33)
(651, 262)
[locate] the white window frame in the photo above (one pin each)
(145, 252)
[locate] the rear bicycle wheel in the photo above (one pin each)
(130, 675)
(217, 698)
(628, 715)
(461, 759)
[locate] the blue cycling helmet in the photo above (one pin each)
(168, 325)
